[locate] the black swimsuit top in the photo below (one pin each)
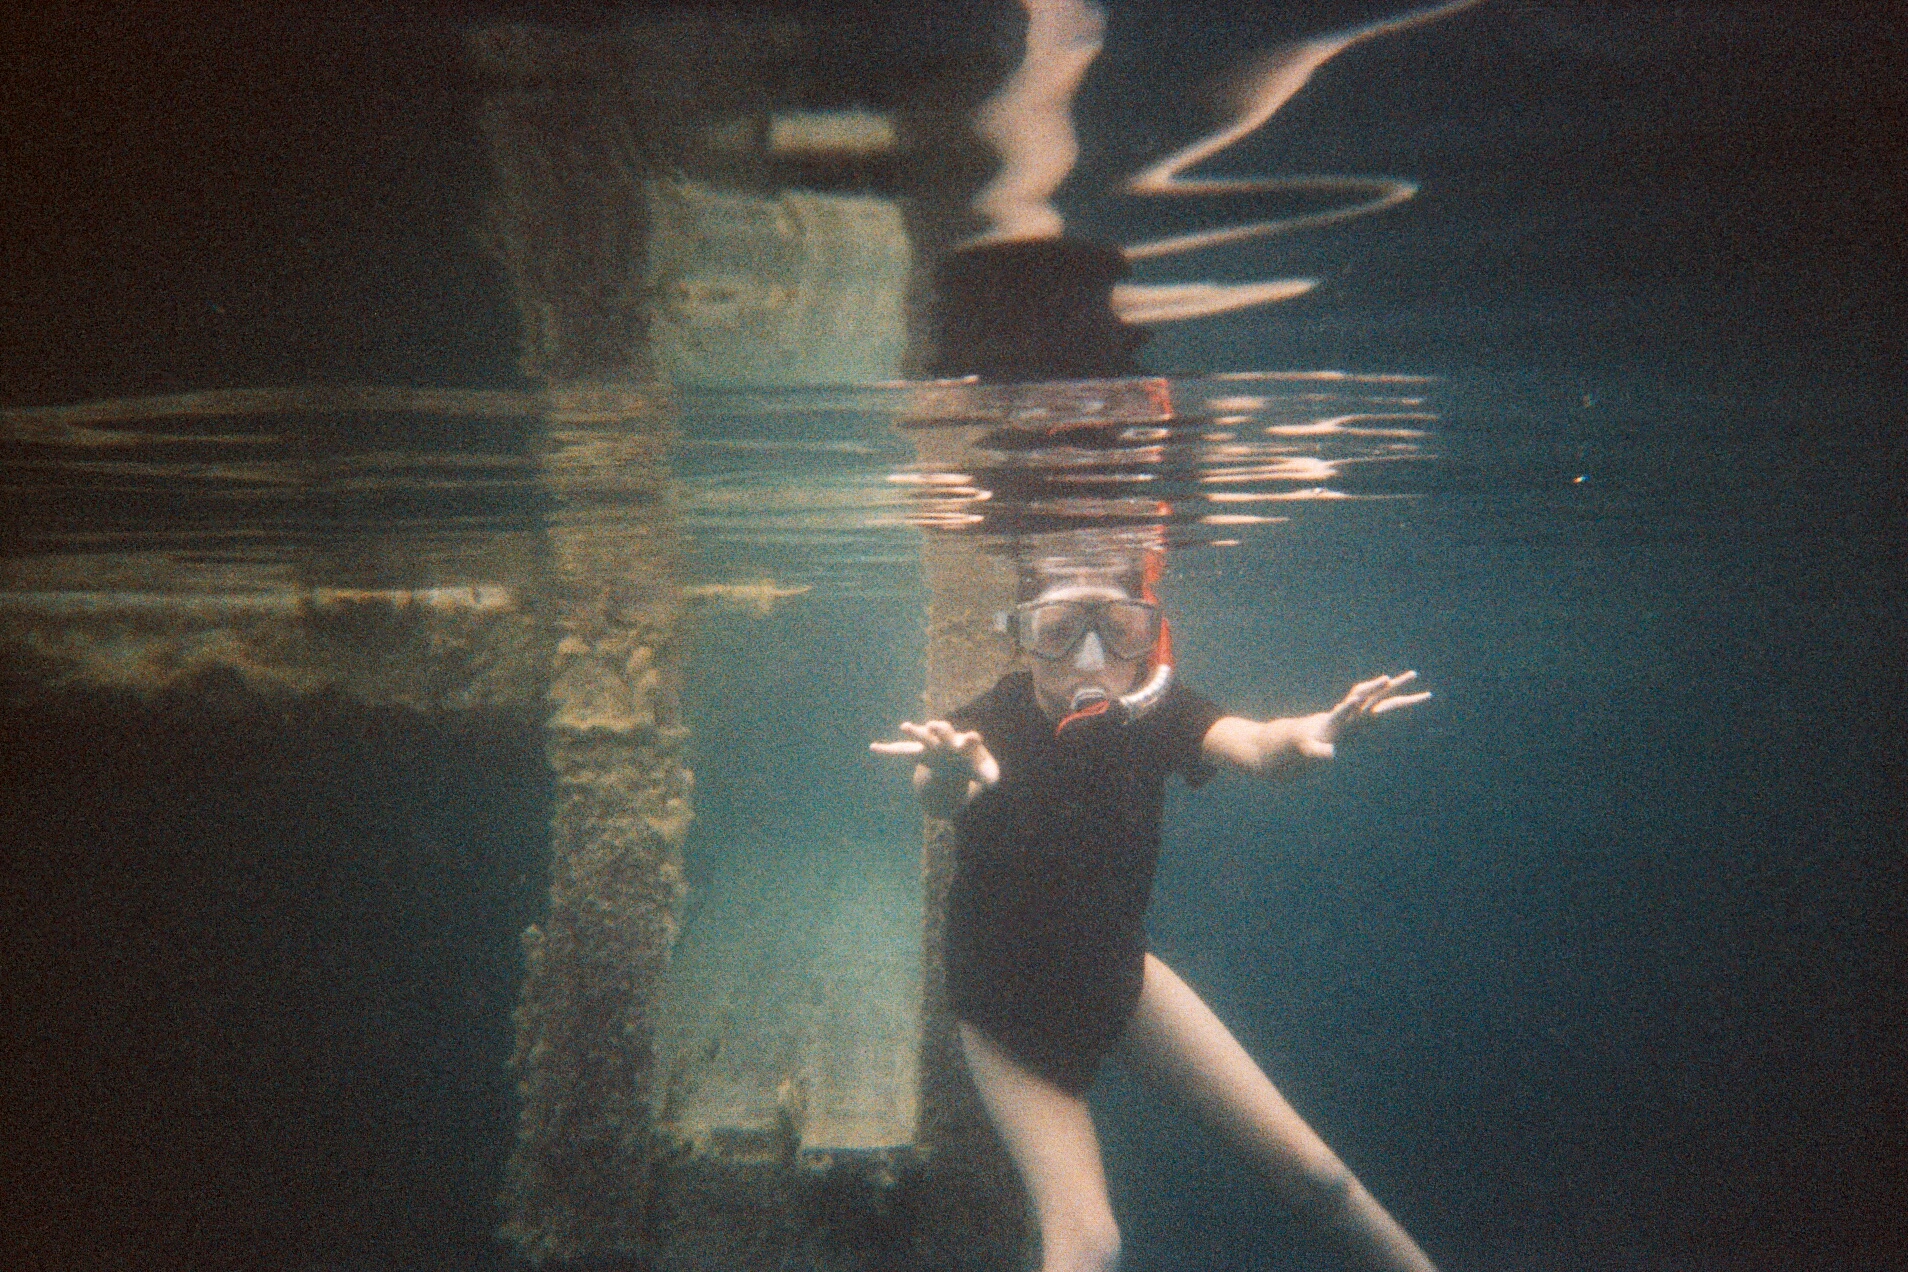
(1045, 944)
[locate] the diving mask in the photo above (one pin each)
(1051, 630)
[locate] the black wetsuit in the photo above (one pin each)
(1045, 950)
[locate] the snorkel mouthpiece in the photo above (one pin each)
(1090, 702)
(1087, 697)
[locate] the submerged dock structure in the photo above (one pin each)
(775, 1089)
(779, 1088)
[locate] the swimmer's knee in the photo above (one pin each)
(1093, 1247)
(1322, 1198)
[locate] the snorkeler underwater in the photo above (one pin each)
(992, 636)
(1054, 779)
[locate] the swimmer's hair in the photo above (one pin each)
(1103, 557)
(1043, 577)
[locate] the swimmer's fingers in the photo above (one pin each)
(937, 744)
(932, 736)
(1369, 695)
(939, 735)
(969, 747)
(1369, 698)
(1355, 701)
(1386, 696)
(1407, 700)
(933, 741)
(935, 735)
(920, 739)
(967, 744)
(974, 751)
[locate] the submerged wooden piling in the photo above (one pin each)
(578, 1180)
(644, 221)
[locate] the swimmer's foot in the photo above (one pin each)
(1064, 25)
(1063, 38)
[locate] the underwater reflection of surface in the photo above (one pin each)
(1189, 456)
(241, 492)
(440, 495)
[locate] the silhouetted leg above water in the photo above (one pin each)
(1020, 301)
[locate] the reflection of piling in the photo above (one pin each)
(578, 125)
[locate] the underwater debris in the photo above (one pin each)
(760, 596)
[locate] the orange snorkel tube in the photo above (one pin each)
(1155, 568)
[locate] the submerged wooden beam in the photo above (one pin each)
(578, 1181)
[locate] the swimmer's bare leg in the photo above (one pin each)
(1029, 122)
(1050, 1136)
(1177, 1045)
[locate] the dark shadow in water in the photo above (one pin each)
(261, 966)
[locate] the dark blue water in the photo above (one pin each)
(1591, 963)
(1595, 963)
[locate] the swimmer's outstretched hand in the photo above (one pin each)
(1274, 748)
(938, 744)
(1317, 735)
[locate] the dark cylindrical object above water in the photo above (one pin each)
(1033, 309)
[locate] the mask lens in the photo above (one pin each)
(1049, 631)
(1129, 628)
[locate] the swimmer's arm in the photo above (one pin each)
(1279, 748)
(1263, 748)
(942, 793)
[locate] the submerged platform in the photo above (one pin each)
(791, 1020)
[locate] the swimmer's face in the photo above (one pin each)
(1091, 664)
